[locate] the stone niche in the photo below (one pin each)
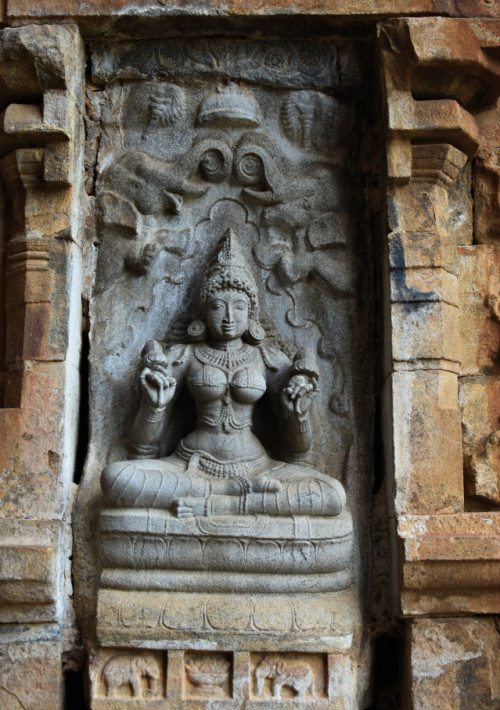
(264, 141)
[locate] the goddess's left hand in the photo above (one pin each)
(298, 395)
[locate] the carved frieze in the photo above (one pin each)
(316, 620)
(128, 677)
(284, 63)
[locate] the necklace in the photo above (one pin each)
(226, 360)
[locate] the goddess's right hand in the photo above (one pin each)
(157, 387)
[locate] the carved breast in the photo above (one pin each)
(208, 385)
(245, 385)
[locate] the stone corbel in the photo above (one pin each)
(436, 73)
(39, 62)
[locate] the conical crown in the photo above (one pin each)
(228, 269)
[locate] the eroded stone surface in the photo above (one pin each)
(430, 483)
(31, 676)
(41, 76)
(450, 563)
(455, 663)
(26, 8)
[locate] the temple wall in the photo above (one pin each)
(372, 230)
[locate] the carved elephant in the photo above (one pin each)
(319, 235)
(129, 670)
(140, 184)
(150, 185)
(299, 207)
(294, 674)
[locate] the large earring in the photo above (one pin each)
(255, 333)
(197, 330)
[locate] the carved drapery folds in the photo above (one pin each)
(439, 76)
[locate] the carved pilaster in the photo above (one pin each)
(41, 77)
(27, 275)
(437, 74)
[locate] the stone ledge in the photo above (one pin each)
(450, 563)
(170, 620)
(346, 8)
(28, 570)
(31, 676)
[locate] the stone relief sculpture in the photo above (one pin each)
(208, 676)
(128, 670)
(294, 674)
(221, 467)
(307, 118)
(214, 488)
(167, 106)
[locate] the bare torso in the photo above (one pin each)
(225, 386)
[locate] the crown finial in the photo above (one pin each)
(230, 106)
(228, 269)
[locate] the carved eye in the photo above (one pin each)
(240, 305)
(217, 305)
(306, 204)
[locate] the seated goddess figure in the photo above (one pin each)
(221, 467)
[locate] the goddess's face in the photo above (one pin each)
(227, 315)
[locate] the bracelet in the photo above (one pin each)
(155, 415)
(303, 425)
(143, 452)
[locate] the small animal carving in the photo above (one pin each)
(141, 183)
(294, 674)
(129, 670)
(137, 185)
